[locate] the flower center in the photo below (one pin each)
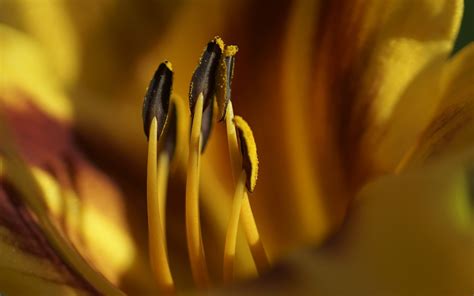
(209, 89)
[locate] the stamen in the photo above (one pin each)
(158, 252)
(249, 224)
(157, 123)
(193, 224)
(203, 80)
(249, 168)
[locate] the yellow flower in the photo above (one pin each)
(362, 118)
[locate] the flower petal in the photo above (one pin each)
(452, 125)
(26, 257)
(82, 202)
(340, 78)
(406, 235)
(434, 115)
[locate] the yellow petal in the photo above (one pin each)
(403, 75)
(26, 71)
(50, 24)
(28, 263)
(411, 234)
(360, 57)
(25, 273)
(434, 115)
(83, 204)
(452, 126)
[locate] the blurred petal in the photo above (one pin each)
(340, 79)
(25, 69)
(452, 126)
(405, 235)
(85, 206)
(433, 116)
(413, 39)
(29, 264)
(49, 24)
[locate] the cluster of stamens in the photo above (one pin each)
(210, 89)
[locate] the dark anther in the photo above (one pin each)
(171, 132)
(203, 80)
(157, 98)
(246, 162)
(206, 126)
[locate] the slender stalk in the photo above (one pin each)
(158, 254)
(232, 229)
(193, 225)
(257, 249)
(162, 179)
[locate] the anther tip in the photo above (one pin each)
(218, 40)
(168, 65)
(156, 101)
(231, 50)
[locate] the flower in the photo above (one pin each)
(361, 116)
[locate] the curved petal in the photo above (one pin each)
(452, 125)
(335, 91)
(60, 44)
(29, 264)
(433, 116)
(85, 205)
(405, 235)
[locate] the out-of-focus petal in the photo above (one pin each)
(25, 69)
(340, 79)
(410, 234)
(452, 126)
(49, 23)
(29, 264)
(434, 114)
(85, 206)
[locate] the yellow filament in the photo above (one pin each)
(158, 254)
(248, 221)
(163, 171)
(233, 227)
(193, 225)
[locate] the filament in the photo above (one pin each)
(193, 225)
(257, 249)
(232, 229)
(158, 253)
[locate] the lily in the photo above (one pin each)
(362, 118)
